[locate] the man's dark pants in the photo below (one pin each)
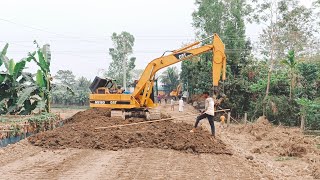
(210, 119)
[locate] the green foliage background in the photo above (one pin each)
(296, 66)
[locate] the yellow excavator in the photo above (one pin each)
(141, 102)
(176, 92)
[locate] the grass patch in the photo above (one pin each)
(284, 158)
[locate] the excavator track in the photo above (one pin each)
(153, 114)
(149, 114)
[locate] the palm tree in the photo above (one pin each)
(170, 78)
(291, 63)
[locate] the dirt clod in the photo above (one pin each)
(249, 157)
(316, 171)
(163, 135)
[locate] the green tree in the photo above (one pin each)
(83, 83)
(65, 77)
(209, 17)
(82, 91)
(291, 63)
(136, 74)
(288, 26)
(309, 112)
(226, 18)
(79, 95)
(121, 65)
(291, 28)
(170, 78)
(308, 80)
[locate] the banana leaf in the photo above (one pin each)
(3, 54)
(18, 68)
(25, 94)
(42, 62)
(12, 109)
(28, 107)
(12, 64)
(40, 79)
(2, 77)
(27, 77)
(31, 56)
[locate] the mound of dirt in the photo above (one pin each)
(279, 141)
(79, 132)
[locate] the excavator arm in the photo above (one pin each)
(176, 92)
(218, 63)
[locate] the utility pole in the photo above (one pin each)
(125, 74)
(124, 65)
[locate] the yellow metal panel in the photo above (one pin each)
(116, 98)
(219, 61)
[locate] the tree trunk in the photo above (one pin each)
(302, 125)
(264, 103)
(291, 86)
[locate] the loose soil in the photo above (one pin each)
(280, 141)
(79, 132)
(26, 161)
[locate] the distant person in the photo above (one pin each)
(159, 98)
(172, 104)
(208, 113)
(181, 105)
(222, 121)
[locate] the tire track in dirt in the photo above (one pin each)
(35, 166)
(144, 163)
(94, 165)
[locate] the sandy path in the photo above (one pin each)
(138, 163)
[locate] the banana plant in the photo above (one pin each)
(43, 76)
(14, 92)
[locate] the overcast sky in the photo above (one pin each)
(79, 31)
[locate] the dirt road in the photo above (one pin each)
(24, 161)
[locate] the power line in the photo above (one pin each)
(46, 31)
(138, 37)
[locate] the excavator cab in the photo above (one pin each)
(104, 86)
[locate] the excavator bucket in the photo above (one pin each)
(219, 61)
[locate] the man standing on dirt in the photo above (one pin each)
(208, 113)
(159, 98)
(181, 105)
(172, 104)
